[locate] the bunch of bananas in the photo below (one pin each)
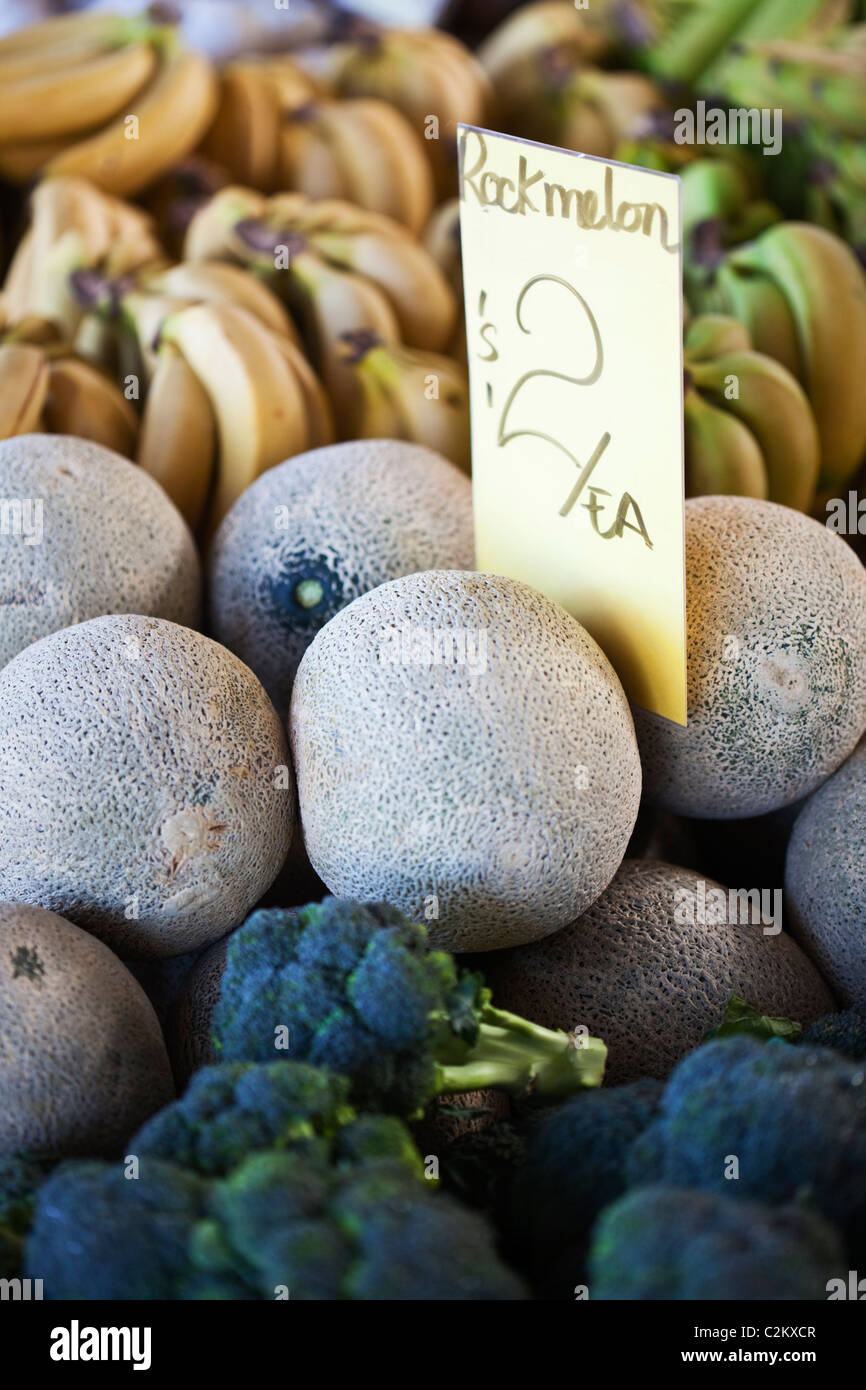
(275, 130)
(226, 389)
(340, 270)
(545, 88)
(427, 75)
(722, 206)
(801, 294)
(73, 228)
(406, 394)
(749, 428)
(704, 43)
(45, 386)
(114, 99)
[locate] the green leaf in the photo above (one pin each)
(741, 1017)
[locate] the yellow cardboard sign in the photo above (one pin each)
(573, 287)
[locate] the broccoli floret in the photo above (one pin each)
(844, 1032)
(671, 1243)
(233, 1109)
(361, 992)
(20, 1176)
(574, 1166)
(342, 1214)
(99, 1234)
(770, 1122)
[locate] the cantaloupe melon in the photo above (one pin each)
(145, 786)
(776, 640)
(464, 751)
(636, 972)
(824, 879)
(322, 528)
(82, 1060)
(84, 532)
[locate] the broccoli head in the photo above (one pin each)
(100, 1234)
(765, 1121)
(300, 1229)
(668, 1243)
(359, 990)
(844, 1032)
(574, 1166)
(299, 1223)
(236, 1108)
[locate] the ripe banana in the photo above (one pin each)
(419, 396)
(23, 387)
(258, 404)
(211, 233)
(423, 73)
(553, 25)
(307, 161)
(722, 454)
(769, 401)
(60, 102)
(214, 282)
(825, 289)
(178, 441)
(382, 164)
(244, 137)
(173, 113)
(82, 401)
(331, 303)
(425, 306)
(320, 416)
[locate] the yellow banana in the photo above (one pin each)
(244, 137)
(58, 103)
(332, 303)
(538, 28)
(215, 282)
(258, 404)
(382, 164)
(722, 454)
(173, 114)
(428, 396)
(711, 335)
(211, 235)
(307, 160)
(178, 441)
(139, 334)
(320, 416)
(825, 289)
(399, 266)
(441, 240)
(772, 404)
(25, 159)
(82, 401)
(23, 386)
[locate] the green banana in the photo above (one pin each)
(763, 310)
(712, 335)
(781, 19)
(693, 43)
(825, 288)
(773, 406)
(722, 454)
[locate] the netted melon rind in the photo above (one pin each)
(145, 787)
(494, 804)
(776, 638)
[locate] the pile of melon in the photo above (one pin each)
(332, 696)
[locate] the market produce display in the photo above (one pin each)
(359, 940)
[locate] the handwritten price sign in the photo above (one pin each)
(572, 274)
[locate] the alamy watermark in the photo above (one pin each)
(711, 906)
(738, 125)
(412, 645)
(22, 516)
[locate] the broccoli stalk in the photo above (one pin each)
(514, 1055)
